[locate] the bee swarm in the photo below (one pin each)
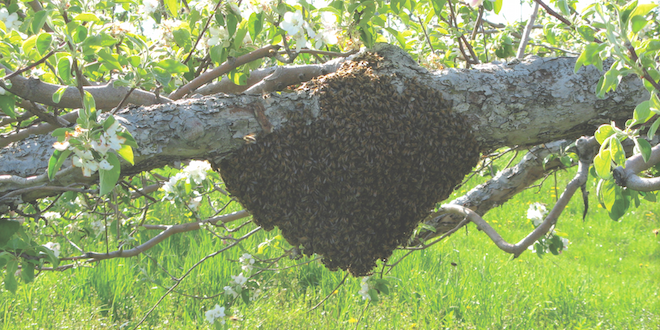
(353, 184)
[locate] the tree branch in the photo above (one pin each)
(627, 177)
(106, 96)
(518, 248)
(168, 231)
(229, 65)
(528, 29)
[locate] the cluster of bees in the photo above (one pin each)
(353, 183)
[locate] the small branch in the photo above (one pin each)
(549, 222)
(554, 13)
(627, 177)
(328, 296)
(201, 33)
(528, 28)
(42, 60)
(229, 65)
(646, 75)
(168, 230)
(38, 129)
(426, 34)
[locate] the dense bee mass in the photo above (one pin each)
(353, 184)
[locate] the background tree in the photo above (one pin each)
(105, 102)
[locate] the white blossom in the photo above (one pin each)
(474, 3)
(52, 215)
(196, 170)
(218, 36)
(247, 260)
(61, 146)
(536, 213)
(85, 160)
(293, 22)
(195, 201)
(364, 289)
(98, 226)
(234, 7)
(105, 165)
(239, 279)
(11, 20)
(564, 242)
(230, 291)
(149, 6)
(216, 313)
(55, 247)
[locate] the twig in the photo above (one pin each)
(528, 28)
(425, 34)
(123, 101)
(201, 33)
(42, 60)
(331, 293)
(362, 314)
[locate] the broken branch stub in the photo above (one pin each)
(352, 183)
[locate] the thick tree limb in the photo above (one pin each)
(528, 103)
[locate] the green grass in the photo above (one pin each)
(609, 278)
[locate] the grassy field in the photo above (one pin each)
(609, 278)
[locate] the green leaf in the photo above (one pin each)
(620, 206)
(603, 132)
(38, 20)
(64, 70)
(10, 281)
(79, 34)
(172, 66)
(109, 60)
(617, 152)
(86, 17)
(607, 193)
(624, 13)
(7, 229)
(8, 104)
(108, 122)
(218, 54)
(548, 159)
(437, 6)
(89, 104)
(497, 6)
(172, 6)
(108, 178)
(398, 35)
(55, 162)
(27, 271)
(373, 294)
(638, 22)
(60, 133)
(182, 38)
(586, 32)
(43, 43)
(255, 24)
(57, 96)
(603, 163)
(55, 261)
(643, 10)
(653, 128)
(126, 152)
(644, 148)
(130, 141)
(245, 296)
(232, 22)
(642, 113)
(240, 35)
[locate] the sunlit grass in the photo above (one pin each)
(609, 278)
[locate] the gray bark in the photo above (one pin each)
(523, 103)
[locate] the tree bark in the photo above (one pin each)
(522, 103)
